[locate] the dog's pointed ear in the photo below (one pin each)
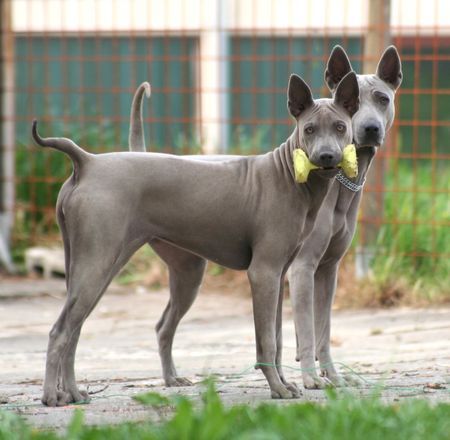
(347, 93)
(337, 67)
(299, 96)
(390, 68)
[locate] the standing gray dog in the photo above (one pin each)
(313, 273)
(246, 213)
(312, 276)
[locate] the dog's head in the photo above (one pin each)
(324, 125)
(377, 92)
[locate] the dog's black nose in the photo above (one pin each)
(327, 159)
(372, 129)
(370, 134)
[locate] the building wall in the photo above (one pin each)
(219, 71)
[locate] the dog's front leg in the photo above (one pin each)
(325, 286)
(265, 282)
(301, 286)
(279, 335)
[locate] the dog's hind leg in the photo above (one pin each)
(68, 383)
(97, 252)
(87, 283)
(185, 276)
(63, 338)
(89, 277)
(66, 189)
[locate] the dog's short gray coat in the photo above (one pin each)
(313, 272)
(244, 213)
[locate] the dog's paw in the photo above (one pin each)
(339, 381)
(334, 379)
(178, 382)
(57, 398)
(292, 386)
(80, 396)
(63, 398)
(314, 382)
(285, 393)
(352, 380)
(50, 398)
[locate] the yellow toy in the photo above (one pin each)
(349, 162)
(302, 165)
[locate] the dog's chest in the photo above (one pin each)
(345, 214)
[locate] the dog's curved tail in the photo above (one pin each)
(76, 153)
(136, 139)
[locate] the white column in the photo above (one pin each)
(7, 133)
(213, 76)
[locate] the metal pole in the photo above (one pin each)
(6, 132)
(214, 81)
(378, 37)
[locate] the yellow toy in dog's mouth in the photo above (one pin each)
(302, 165)
(349, 162)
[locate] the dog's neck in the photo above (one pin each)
(315, 189)
(310, 194)
(365, 156)
(344, 196)
(285, 153)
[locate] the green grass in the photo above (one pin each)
(414, 239)
(346, 417)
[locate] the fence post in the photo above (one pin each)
(213, 77)
(6, 132)
(377, 38)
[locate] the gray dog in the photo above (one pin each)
(313, 273)
(246, 213)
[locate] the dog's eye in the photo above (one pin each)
(382, 98)
(309, 129)
(340, 127)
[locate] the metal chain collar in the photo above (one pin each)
(348, 183)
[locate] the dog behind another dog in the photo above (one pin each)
(313, 273)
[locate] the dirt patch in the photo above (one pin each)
(407, 350)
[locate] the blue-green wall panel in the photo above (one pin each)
(75, 83)
(259, 74)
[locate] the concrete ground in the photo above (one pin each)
(407, 350)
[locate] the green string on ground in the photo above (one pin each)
(378, 384)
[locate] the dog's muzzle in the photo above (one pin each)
(370, 135)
